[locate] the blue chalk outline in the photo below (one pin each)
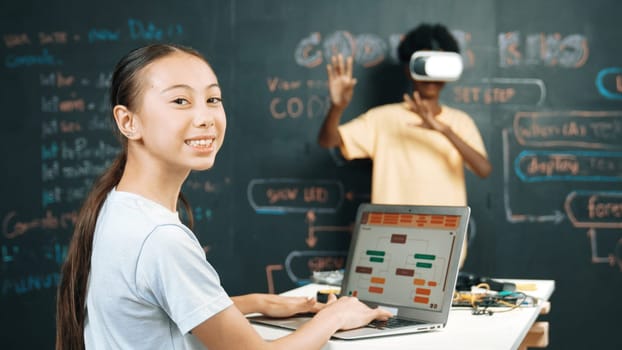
(602, 89)
(526, 178)
(597, 192)
(282, 210)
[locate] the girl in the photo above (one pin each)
(137, 278)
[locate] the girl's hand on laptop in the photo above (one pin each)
(275, 305)
(353, 313)
(283, 306)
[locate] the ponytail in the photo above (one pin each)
(71, 302)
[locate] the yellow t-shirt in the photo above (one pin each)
(411, 164)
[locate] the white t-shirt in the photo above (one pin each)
(150, 282)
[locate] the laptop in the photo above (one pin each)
(403, 258)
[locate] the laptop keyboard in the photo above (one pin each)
(392, 323)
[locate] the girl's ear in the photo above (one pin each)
(126, 122)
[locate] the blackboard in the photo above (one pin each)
(543, 82)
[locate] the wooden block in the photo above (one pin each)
(537, 337)
(526, 287)
(546, 308)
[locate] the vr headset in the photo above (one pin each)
(435, 66)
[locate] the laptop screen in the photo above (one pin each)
(405, 259)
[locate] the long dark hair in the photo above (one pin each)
(71, 309)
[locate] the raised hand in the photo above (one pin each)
(340, 81)
(424, 110)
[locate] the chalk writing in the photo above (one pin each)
(317, 84)
(206, 186)
(84, 169)
(136, 30)
(506, 91)
(299, 265)
(13, 227)
(595, 209)
(276, 83)
(312, 106)
(54, 104)
(586, 129)
(554, 164)
(45, 58)
(278, 196)
(604, 208)
(70, 194)
(7, 253)
(56, 79)
(534, 166)
(202, 214)
(30, 283)
(304, 55)
(571, 51)
(150, 31)
(464, 42)
(370, 50)
(13, 40)
(50, 104)
(294, 107)
(10, 253)
(95, 35)
(97, 123)
(81, 148)
(475, 94)
(73, 148)
(367, 49)
(52, 38)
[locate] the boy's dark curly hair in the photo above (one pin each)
(426, 37)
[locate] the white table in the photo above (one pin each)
(502, 330)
